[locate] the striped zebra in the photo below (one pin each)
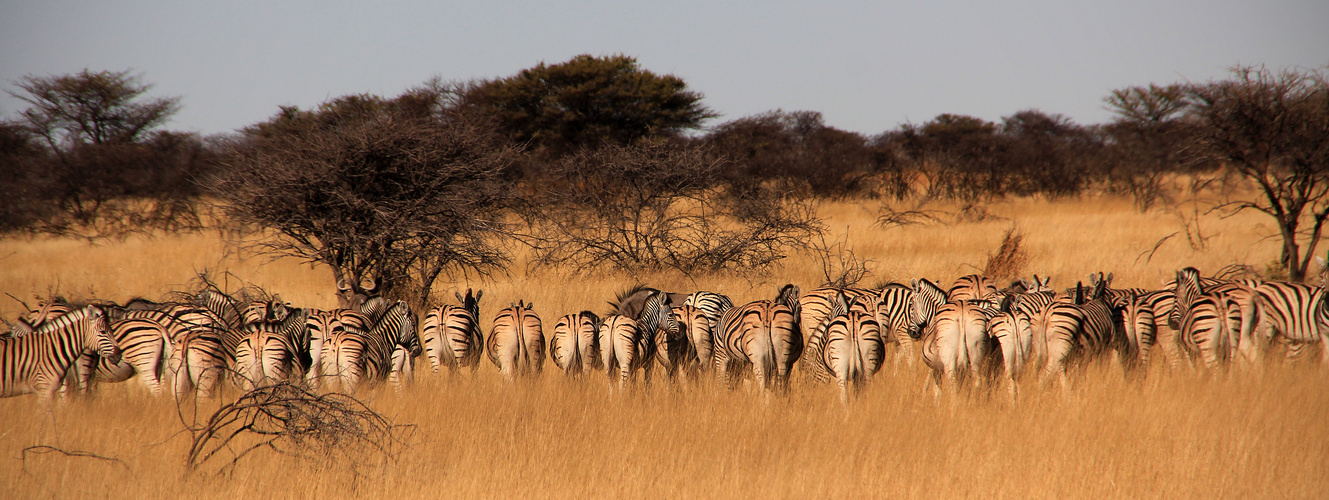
(1296, 312)
(926, 300)
(142, 346)
(711, 304)
(658, 325)
(763, 335)
(222, 305)
(955, 342)
(1010, 329)
(321, 326)
(854, 347)
(1140, 327)
(1240, 306)
(1201, 318)
(516, 343)
(893, 314)
(972, 287)
(451, 334)
(625, 348)
(574, 345)
(353, 357)
(273, 350)
(816, 308)
(1067, 332)
(198, 362)
(694, 324)
(37, 363)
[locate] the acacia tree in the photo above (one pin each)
(104, 159)
(402, 190)
(1273, 129)
(587, 101)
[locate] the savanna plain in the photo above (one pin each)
(1246, 432)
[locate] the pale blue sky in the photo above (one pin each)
(867, 66)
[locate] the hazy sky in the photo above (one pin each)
(867, 66)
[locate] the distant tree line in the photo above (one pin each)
(597, 161)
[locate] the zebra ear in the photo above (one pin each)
(478, 293)
(459, 297)
(1108, 280)
(343, 286)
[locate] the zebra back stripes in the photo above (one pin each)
(853, 350)
(625, 348)
(763, 335)
(353, 357)
(711, 304)
(816, 308)
(516, 343)
(574, 345)
(451, 334)
(696, 326)
(955, 342)
(971, 287)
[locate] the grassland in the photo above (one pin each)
(1247, 433)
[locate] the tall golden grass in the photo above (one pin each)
(1248, 432)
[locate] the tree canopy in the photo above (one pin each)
(587, 101)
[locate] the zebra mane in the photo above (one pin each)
(68, 319)
(788, 297)
(632, 302)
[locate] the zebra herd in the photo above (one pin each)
(971, 333)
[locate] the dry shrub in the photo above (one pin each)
(1010, 259)
(327, 430)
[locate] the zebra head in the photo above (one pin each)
(1187, 288)
(471, 302)
(926, 298)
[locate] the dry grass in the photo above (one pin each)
(1239, 434)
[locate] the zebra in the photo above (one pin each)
(632, 302)
(972, 287)
(1068, 331)
(658, 325)
(451, 334)
(926, 300)
(764, 335)
(955, 341)
(893, 320)
(221, 304)
(198, 362)
(1010, 329)
(816, 308)
(516, 343)
(1140, 327)
(854, 348)
(321, 325)
(353, 357)
(574, 345)
(694, 324)
(142, 344)
(273, 350)
(711, 304)
(1296, 312)
(1235, 302)
(37, 363)
(625, 348)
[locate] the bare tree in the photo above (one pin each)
(1150, 133)
(1273, 129)
(656, 205)
(396, 189)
